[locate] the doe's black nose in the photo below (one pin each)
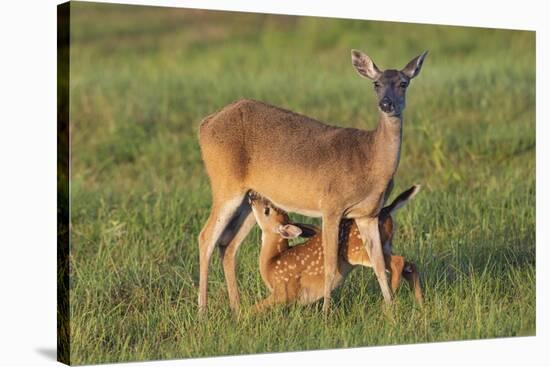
(386, 104)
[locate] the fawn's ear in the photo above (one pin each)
(289, 231)
(364, 65)
(307, 230)
(414, 66)
(401, 200)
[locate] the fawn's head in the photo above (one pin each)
(386, 223)
(271, 219)
(390, 85)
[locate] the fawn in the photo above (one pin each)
(297, 274)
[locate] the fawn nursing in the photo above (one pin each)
(296, 274)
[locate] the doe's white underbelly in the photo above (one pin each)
(306, 212)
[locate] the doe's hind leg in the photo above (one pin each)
(220, 215)
(245, 222)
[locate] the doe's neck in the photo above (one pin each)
(386, 147)
(389, 127)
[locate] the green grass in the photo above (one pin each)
(141, 80)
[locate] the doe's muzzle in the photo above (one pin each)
(386, 105)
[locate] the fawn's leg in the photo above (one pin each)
(264, 304)
(410, 273)
(397, 263)
(281, 294)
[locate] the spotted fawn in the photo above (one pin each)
(296, 274)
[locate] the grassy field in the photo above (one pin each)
(142, 79)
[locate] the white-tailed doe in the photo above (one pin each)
(296, 274)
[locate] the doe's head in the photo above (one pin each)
(271, 219)
(390, 85)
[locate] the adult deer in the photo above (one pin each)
(302, 166)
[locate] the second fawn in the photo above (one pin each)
(296, 274)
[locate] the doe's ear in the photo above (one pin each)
(364, 65)
(289, 231)
(414, 66)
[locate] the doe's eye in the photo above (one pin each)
(403, 84)
(376, 84)
(266, 210)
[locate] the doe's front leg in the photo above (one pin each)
(370, 234)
